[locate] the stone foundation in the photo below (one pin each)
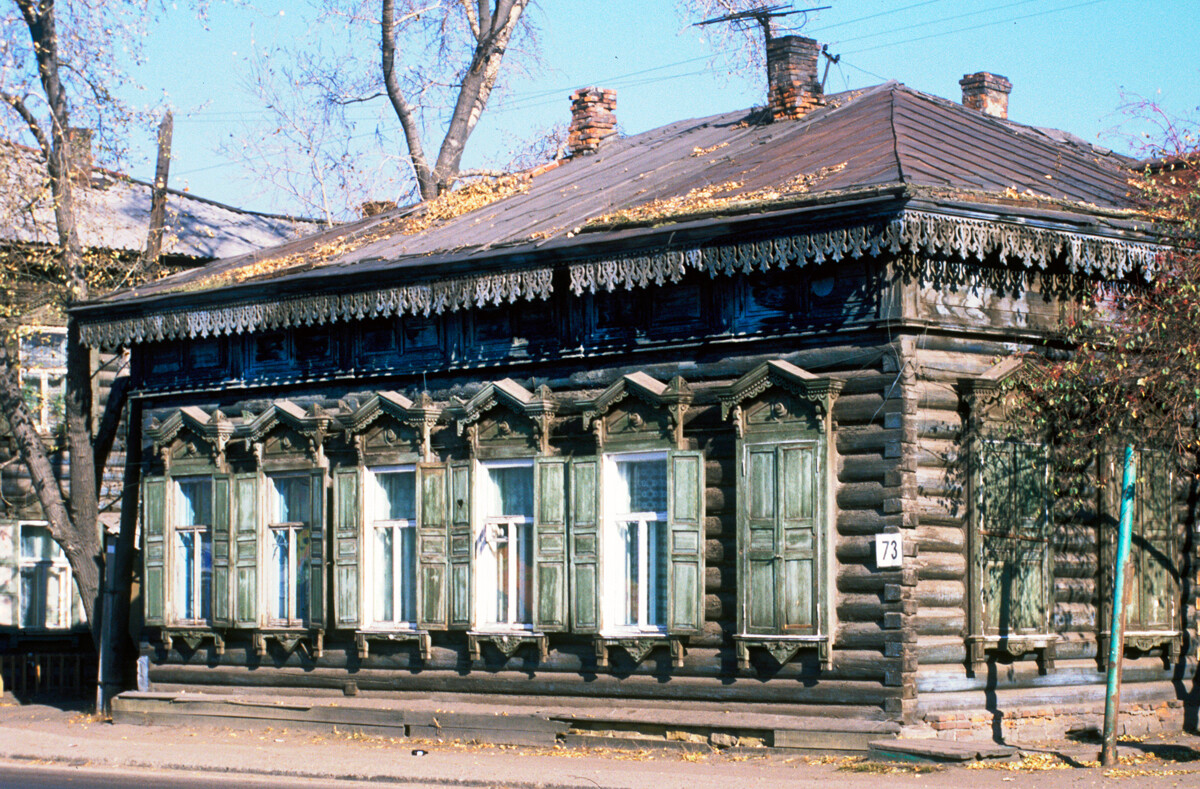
(1027, 724)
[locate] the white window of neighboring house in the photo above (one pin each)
(193, 548)
(45, 601)
(504, 545)
(289, 548)
(392, 545)
(43, 359)
(636, 554)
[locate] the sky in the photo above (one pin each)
(1073, 64)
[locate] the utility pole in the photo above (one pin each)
(1116, 643)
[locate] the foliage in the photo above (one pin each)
(1132, 375)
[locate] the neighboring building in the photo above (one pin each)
(683, 418)
(39, 605)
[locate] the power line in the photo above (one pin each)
(938, 21)
(976, 27)
(879, 14)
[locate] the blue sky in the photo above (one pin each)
(1070, 61)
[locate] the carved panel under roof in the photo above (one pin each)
(778, 395)
(388, 425)
(637, 408)
(506, 416)
(192, 438)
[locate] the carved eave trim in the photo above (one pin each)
(919, 232)
(421, 415)
(539, 406)
(314, 425)
(817, 389)
(215, 429)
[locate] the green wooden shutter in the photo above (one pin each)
(222, 559)
(1153, 561)
(347, 551)
(1015, 555)
(461, 544)
(798, 538)
(685, 519)
(316, 526)
(758, 497)
(584, 544)
(433, 537)
(154, 536)
(550, 545)
(246, 492)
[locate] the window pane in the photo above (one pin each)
(205, 574)
(632, 574)
(58, 598)
(185, 572)
(384, 582)
(38, 546)
(397, 495)
(303, 562)
(291, 499)
(500, 614)
(523, 555)
(643, 485)
(32, 608)
(279, 573)
(408, 569)
(511, 492)
(656, 569)
(193, 501)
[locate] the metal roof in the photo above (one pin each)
(113, 212)
(885, 137)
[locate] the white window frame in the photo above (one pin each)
(489, 532)
(615, 598)
(400, 579)
(293, 530)
(56, 569)
(200, 531)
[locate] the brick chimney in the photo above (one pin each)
(987, 93)
(793, 89)
(79, 149)
(592, 120)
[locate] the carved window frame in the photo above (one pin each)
(758, 405)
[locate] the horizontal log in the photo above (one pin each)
(865, 521)
(721, 525)
(940, 539)
(933, 396)
(784, 686)
(941, 512)
(938, 425)
(718, 578)
(936, 453)
(717, 498)
(856, 409)
(857, 549)
(871, 467)
(865, 439)
(1077, 617)
(862, 496)
(862, 608)
(861, 635)
(1074, 590)
(1023, 674)
(718, 471)
(940, 622)
(941, 567)
(857, 578)
(940, 594)
(714, 551)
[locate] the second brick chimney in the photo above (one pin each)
(793, 89)
(592, 120)
(986, 92)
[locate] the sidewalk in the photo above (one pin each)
(49, 735)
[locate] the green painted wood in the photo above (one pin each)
(779, 539)
(685, 521)
(433, 545)
(584, 545)
(316, 580)
(348, 539)
(222, 556)
(246, 496)
(459, 581)
(1154, 560)
(550, 545)
(154, 529)
(1015, 547)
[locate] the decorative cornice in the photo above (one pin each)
(421, 415)
(539, 406)
(800, 382)
(215, 428)
(912, 231)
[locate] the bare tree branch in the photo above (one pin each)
(35, 128)
(412, 135)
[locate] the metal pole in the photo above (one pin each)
(1116, 644)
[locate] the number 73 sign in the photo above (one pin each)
(889, 550)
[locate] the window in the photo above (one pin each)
(45, 601)
(289, 548)
(392, 507)
(43, 360)
(193, 549)
(637, 556)
(1153, 567)
(1014, 538)
(504, 545)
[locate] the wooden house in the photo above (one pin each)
(682, 416)
(40, 610)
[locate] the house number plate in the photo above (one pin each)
(889, 550)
